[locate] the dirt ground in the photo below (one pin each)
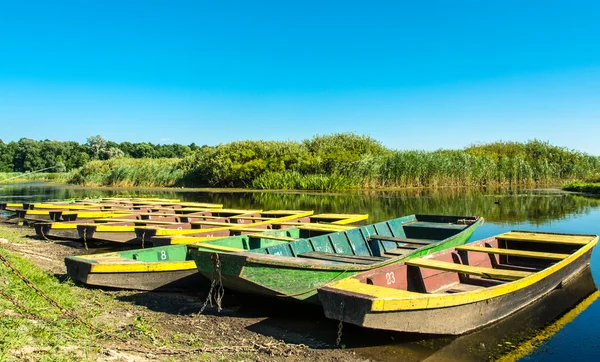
(247, 328)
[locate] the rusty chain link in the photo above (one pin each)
(340, 326)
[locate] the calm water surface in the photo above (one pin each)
(575, 335)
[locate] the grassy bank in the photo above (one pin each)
(21, 177)
(30, 325)
(592, 187)
(346, 161)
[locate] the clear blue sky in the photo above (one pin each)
(414, 75)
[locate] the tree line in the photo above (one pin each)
(27, 155)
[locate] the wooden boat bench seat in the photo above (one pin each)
(435, 225)
(483, 272)
(272, 237)
(219, 247)
(401, 240)
(513, 252)
(544, 238)
(343, 258)
(246, 230)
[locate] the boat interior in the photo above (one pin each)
(374, 243)
(478, 265)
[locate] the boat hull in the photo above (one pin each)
(168, 280)
(457, 319)
(296, 279)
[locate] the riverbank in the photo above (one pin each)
(592, 188)
(118, 325)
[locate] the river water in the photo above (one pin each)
(557, 328)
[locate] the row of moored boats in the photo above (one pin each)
(415, 273)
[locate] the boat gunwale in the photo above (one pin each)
(424, 301)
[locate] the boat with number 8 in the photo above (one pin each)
(171, 267)
(460, 289)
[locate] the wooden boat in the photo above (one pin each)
(296, 270)
(171, 267)
(244, 224)
(127, 234)
(460, 289)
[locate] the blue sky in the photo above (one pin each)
(414, 75)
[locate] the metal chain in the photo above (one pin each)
(23, 309)
(53, 302)
(216, 279)
(85, 238)
(220, 292)
(208, 298)
(43, 235)
(143, 237)
(273, 349)
(340, 326)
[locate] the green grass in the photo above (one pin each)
(586, 187)
(21, 177)
(34, 322)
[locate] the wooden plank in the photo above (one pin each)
(342, 258)
(436, 225)
(513, 252)
(461, 288)
(545, 238)
(490, 273)
(397, 252)
(402, 240)
(246, 230)
(272, 237)
(218, 247)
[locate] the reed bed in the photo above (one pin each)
(347, 161)
(129, 172)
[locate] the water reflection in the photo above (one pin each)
(504, 207)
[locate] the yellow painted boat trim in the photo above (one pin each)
(326, 227)
(544, 238)
(59, 226)
(272, 237)
(114, 228)
(191, 239)
(390, 299)
(513, 252)
(63, 206)
(342, 219)
(142, 267)
(220, 248)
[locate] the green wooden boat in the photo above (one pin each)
(296, 270)
(171, 267)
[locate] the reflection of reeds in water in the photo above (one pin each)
(512, 208)
(499, 206)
